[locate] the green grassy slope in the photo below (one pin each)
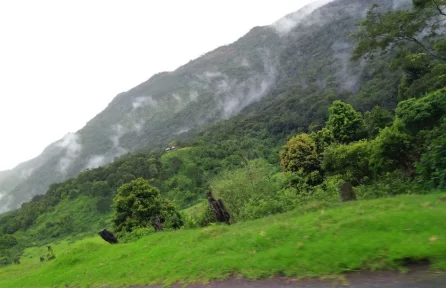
(315, 240)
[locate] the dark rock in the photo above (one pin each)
(346, 192)
(156, 223)
(108, 236)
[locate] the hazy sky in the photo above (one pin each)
(62, 62)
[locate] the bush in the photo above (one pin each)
(389, 184)
(246, 190)
(126, 237)
(197, 216)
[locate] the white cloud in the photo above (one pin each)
(193, 95)
(72, 147)
(144, 101)
(96, 161)
(285, 24)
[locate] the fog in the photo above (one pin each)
(63, 62)
(72, 147)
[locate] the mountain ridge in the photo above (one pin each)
(255, 69)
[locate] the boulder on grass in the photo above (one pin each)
(346, 192)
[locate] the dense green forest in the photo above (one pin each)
(295, 146)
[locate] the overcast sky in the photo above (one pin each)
(62, 62)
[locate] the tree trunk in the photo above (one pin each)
(218, 209)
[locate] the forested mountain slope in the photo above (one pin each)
(281, 77)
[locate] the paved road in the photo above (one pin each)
(418, 278)
(432, 282)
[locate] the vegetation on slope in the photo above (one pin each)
(314, 240)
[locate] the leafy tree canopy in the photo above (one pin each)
(379, 31)
(300, 153)
(137, 203)
(346, 124)
(376, 120)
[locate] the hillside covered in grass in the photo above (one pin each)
(313, 240)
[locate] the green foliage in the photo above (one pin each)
(351, 161)
(322, 138)
(137, 203)
(432, 166)
(100, 189)
(392, 149)
(377, 119)
(174, 221)
(379, 31)
(299, 99)
(431, 81)
(389, 184)
(300, 153)
(104, 204)
(424, 113)
(7, 241)
(346, 124)
(251, 191)
(416, 35)
(199, 215)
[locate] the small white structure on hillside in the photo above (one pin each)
(169, 149)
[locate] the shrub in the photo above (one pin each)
(246, 190)
(389, 184)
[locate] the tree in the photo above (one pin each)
(101, 189)
(393, 149)
(423, 113)
(379, 31)
(345, 122)
(417, 37)
(351, 161)
(300, 153)
(376, 120)
(323, 138)
(138, 203)
(104, 204)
